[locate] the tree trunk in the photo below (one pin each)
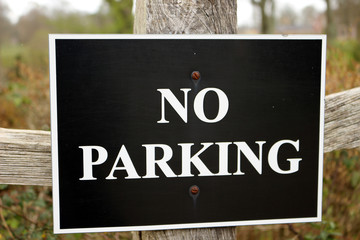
(186, 17)
(267, 10)
(264, 19)
(330, 24)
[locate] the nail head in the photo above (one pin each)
(194, 189)
(195, 75)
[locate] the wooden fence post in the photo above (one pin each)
(186, 17)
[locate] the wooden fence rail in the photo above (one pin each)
(25, 155)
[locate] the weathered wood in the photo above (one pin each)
(25, 155)
(188, 234)
(342, 120)
(185, 17)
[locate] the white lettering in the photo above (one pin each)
(162, 163)
(187, 159)
(273, 157)
(255, 161)
(223, 158)
(128, 165)
(199, 105)
(87, 160)
(175, 103)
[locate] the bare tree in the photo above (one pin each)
(5, 25)
(267, 9)
(5, 30)
(29, 24)
(330, 24)
(347, 16)
(288, 16)
(309, 14)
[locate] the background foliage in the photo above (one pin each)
(26, 211)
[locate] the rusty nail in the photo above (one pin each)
(194, 189)
(195, 75)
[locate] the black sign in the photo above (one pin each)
(160, 132)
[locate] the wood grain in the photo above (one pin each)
(25, 157)
(185, 17)
(187, 234)
(342, 120)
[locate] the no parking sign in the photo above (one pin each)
(163, 132)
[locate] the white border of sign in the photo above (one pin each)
(54, 133)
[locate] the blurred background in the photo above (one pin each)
(26, 211)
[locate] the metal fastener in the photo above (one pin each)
(195, 75)
(194, 190)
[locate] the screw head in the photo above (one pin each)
(194, 190)
(195, 75)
